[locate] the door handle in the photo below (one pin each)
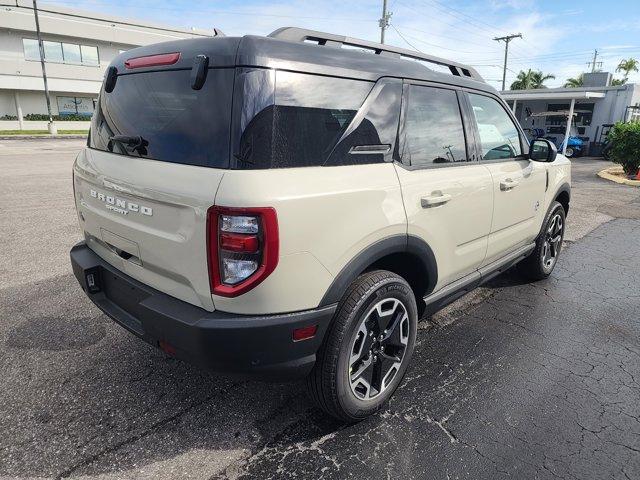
(508, 184)
(435, 200)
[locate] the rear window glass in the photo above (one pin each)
(178, 124)
(285, 119)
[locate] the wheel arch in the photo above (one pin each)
(408, 256)
(563, 196)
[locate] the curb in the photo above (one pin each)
(36, 137)
(609, 174)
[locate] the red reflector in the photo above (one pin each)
(167, 348)
(152, 60)
(237, 242)
(304, 333)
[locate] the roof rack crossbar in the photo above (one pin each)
(294, 34)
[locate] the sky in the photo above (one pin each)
(559, 37)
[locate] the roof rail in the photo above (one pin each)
(294, 34)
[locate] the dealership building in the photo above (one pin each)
(78, 47)
(587, 111)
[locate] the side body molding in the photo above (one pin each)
(408, 244)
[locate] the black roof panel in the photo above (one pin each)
(297, 56)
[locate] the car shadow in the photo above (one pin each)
(99, 401)
(82, 396)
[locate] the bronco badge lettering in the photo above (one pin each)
(119, 205)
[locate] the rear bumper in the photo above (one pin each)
(259, 346)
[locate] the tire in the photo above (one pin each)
(541, 262)
(373, 300)
(570, 153)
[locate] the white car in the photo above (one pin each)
(286, 207)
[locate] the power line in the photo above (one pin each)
(406, 41)
(472, 32)
(218, 12)
(473, 23)
(404, 27)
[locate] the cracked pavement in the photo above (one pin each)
(515, 380)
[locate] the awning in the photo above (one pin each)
(558, 113)
(545, 94)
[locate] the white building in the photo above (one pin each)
(593, 107)
(78, 48)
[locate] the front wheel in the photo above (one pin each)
(541, 262)
(570, 153)
(368, 348)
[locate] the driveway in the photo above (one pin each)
(515, 380)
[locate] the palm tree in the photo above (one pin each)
(531, 79)
(616, 82)
(574, 82)
(627, 66)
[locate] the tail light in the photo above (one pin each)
(242, 248)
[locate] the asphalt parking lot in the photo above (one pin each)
(515, 380)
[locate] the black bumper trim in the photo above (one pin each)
(259, 346)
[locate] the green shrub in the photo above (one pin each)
(43, 117)
(625, 146)
(57, 118)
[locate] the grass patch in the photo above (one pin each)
(43, 132)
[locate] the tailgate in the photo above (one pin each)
(148, 219)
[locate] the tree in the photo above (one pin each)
(574, 82)
(616, 82)
(627, 66)
(531, 79)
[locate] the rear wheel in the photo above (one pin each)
(570, 153)
(367, 349)
(544, 257)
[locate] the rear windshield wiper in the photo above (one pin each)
(134, 142)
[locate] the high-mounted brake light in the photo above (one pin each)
(152, 60)
(242, 247)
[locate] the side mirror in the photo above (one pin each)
(542, 150)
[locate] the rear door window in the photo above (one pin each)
(178, 124)
(286, 119)
(434, 134)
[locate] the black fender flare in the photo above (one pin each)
(394, 244)
(564, 188)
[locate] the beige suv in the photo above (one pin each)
(289, 206)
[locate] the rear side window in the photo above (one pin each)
(376, 124)
(433, 128)
(286, 119)
(499, 136)
(178, 124)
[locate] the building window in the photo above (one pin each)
(59, 52)
(31, 49)
(89, 55)
(71, 53)
(53, 51)
(583, 114)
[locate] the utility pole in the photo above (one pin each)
(384, 21)
(506, 39)
(594, 63)
(51, 127)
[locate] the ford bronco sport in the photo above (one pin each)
(289, 206)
